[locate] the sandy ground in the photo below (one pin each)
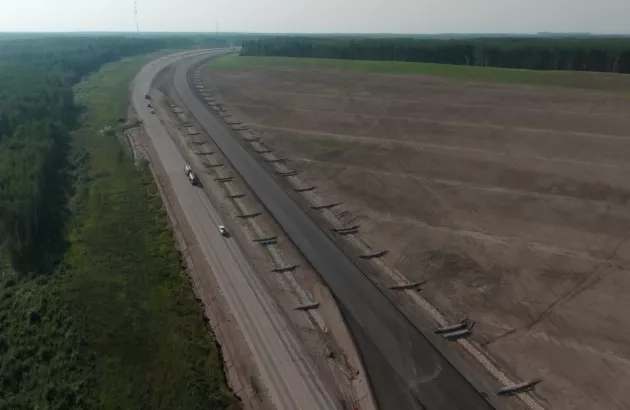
(510, 200)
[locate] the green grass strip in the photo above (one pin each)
(608, 82)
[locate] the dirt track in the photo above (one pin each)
(510, 200)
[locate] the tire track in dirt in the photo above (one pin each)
(425, 102)
(420, 119)
(421, 145)
(587, 282)
(447, 182)
(364, 82)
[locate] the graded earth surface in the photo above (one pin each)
(511, 201)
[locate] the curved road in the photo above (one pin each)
(406, 370)
(289, 375)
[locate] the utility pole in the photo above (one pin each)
(135, 13)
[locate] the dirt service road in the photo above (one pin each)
(287, 372)
(406, 370)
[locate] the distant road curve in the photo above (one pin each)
(287, 371)
(406, 371)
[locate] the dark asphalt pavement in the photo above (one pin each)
(406, 371)
(286, 373)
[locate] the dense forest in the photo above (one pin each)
(37, 109)
(604, 54)
(95, 312)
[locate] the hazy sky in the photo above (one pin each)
(340, 16)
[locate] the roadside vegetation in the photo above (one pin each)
(37, 109)
(109, 321)
(608, 82)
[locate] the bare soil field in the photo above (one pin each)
(510, 200)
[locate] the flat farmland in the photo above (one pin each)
(510, 200)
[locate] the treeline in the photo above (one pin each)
(603, 54)
(37, 109)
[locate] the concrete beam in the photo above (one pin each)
(263, 151)
(252, 139)
(214, 165)
(288, 268)
(224, 179)
(519, 388)
(288, 173)
(374, 255)
(275, 160)
(252, 215)
(452, 328)
(268, 238)
(347, 229)
(234, 196)
(327, 206)
(309, 306)
(310, 188)
(457, 334)
(406, 286)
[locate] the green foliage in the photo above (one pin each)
(43, 362)
(608, 82)
(37, 109)
(603, 54)
(115, 325)
(144, 325)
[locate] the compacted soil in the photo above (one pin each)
(510, 200)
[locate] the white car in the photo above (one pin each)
(223, 231)
(152, 111)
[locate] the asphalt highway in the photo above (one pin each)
(286, 370)
(406, 371)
